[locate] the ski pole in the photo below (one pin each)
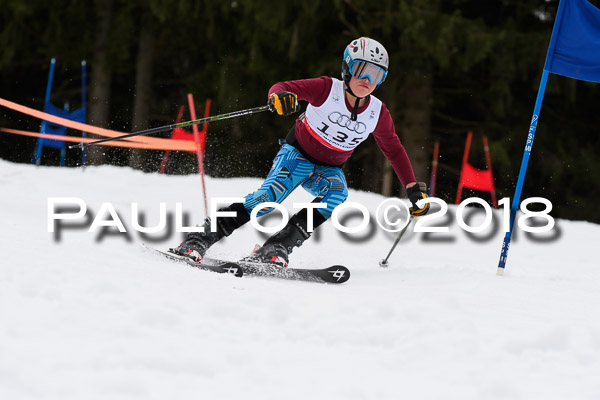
(384, 262)
(179, 125)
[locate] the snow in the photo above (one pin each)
(91, 316)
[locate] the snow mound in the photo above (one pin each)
(90, 315)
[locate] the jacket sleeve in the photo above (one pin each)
(314, 90)
(389, 143)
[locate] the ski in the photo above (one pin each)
(334, 274)
(214, 267)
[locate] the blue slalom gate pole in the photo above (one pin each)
(37, 156)
(517, 198)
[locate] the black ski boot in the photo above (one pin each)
(278, 247)
(196, 244)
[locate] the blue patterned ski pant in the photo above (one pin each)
(291, 169)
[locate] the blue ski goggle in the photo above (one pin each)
(363, 69)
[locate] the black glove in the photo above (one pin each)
(284, 103)
(416, 193)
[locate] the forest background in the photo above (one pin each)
(455, 66)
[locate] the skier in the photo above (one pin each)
(339, 116)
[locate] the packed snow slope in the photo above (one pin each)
(96, 316)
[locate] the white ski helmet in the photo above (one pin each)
(363, 50)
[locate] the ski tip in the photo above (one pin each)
(339, 274)
(500, 271)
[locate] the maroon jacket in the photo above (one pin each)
(315, 91)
